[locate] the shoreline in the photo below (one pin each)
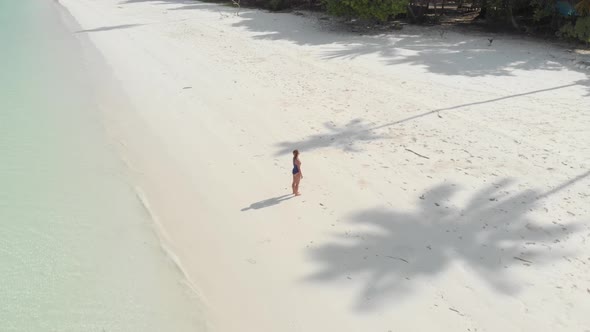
(207, 138)
(79, 251)
(116, 101)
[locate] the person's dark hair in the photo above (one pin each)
(295, 153)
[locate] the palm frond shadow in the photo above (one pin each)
(471, 56)
(490, 235)
(345, 138)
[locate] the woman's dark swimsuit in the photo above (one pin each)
(295, 168)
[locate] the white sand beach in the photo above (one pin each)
(446, 180)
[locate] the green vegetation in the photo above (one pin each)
(278, 4)
(569, 19)
(583, 7)
(579, 30)
(381, 10)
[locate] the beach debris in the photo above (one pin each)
(237, 4)
(416, 153)
(457, 311)
(187, 87)
(523, 260)
(491, 40)
(398, 258)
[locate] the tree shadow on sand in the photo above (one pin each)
(345, 138)
(470, 55)
(490, 235)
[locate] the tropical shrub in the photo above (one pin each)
(580, 29)
(278, 4)
(583, 7)
(542, 9)
(380, 10)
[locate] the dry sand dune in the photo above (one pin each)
(446, 180)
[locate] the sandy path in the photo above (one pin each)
(446, 181)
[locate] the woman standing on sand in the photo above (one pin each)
(297, 175)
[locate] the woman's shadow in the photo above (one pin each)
(268, 202)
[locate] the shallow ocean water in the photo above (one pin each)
(78, 251)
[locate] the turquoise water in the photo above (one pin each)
(77, 249)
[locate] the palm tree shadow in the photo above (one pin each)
(345, 138)
(268, 202)
(469, 56)
(394, 250)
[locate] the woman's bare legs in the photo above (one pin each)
(296, 179)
